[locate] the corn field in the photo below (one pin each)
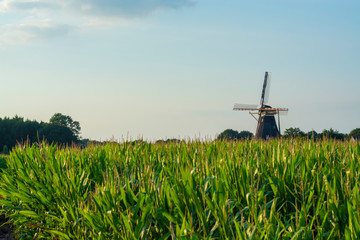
(277, 189)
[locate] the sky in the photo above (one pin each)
(158, 69)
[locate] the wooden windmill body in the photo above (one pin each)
(266, 124)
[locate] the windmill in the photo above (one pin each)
(266, 124)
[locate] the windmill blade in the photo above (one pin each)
(262, 99)
(267, 90)
(278, 109)
(283, 112)
(245, 107)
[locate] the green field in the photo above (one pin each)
(278, 189)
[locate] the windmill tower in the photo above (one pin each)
(266, 124)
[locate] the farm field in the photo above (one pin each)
(277, 189)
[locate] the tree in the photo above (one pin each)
(293, 133)
(355, 133)
(62, 130)
(245, 135)
(5, 149)
(312, 135)
(66, 121)
(230, 134)
(16, 130)
(57, 134)
(333, 134)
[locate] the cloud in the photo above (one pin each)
(33, 19)
(31, 5)
(128, 8)
(29, 30)
(103, 8)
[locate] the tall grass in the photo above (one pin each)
(278, 189)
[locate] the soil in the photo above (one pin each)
(5, 230)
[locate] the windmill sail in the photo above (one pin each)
(245, 107)
(283, 113)
(267, 90)
(262, 100)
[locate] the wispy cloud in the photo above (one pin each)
(30, 5)
(53, 18)
(128, 8)
(30, 30)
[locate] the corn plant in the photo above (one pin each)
(277, 189)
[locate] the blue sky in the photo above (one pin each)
(158, 69)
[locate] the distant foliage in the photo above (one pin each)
(245, 135)
(293, 133)
(14, 130)
(230, 134)
(334, 134)
(5, 149)
(169, 140)
(61, 130)
(57, 134)
(355, 133)
(59, 119)
(312, 135)
(327, 134)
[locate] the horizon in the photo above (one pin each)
(174, 69)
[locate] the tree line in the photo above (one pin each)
(60, 129)
(230, 134)
(63, 130)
